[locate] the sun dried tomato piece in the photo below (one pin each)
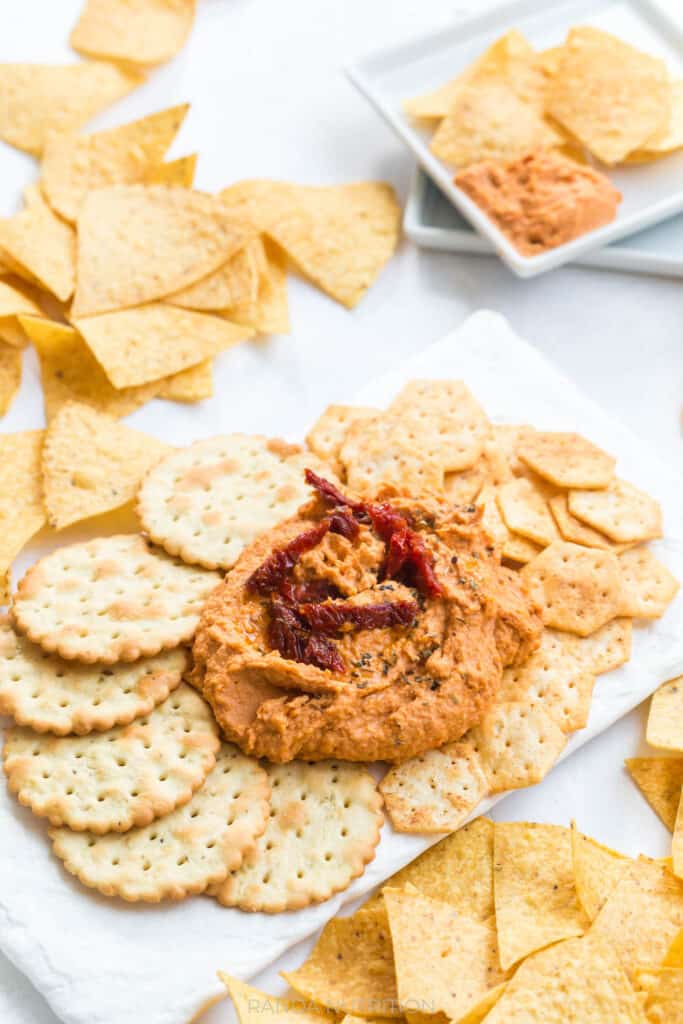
(294, 640)
(311, 591)
(408, 559)
(386, 520)
(342, 521)
(330, 494)
(271, 573)
(333, 616)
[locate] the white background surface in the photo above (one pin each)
(282, 108)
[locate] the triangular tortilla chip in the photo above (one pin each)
(10, 375)
(338, 236)
(189, 385)
(665, 718)
(597, 871)
(659, 779)
(139, 31)
(42, 247)
(269, 314)
(235, 283)
(92, 464)
(22, 512)
(138, 243)
(535, 895)
(443, 959)
(178, 172)
(73, 164)
(135, 346)
(643, 914)
(351, 968)
(251, 1004)
(69, 371)
(36, 99)
(14, 299)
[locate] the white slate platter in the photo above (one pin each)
(103, 962)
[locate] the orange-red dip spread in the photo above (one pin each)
(542, 199)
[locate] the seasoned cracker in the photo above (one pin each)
(518, 745)
(449, 415)
(392, 452)
(48, 694)
(327, 434)
(519, 549)
(110, 599)
(602, 651)
(526, 512)
(647, 586)
(578, 588)
(137, 244)
(92, 463)
(536, 901)
(509, 437)
(659, 779)
(553, 680)
(114, 781)
(621, 511)
(183, 853)
(572, 529)
(665, 719)
(567, 460)
(351, 968)
(491, 470)
(206, 502)
(324, 825)
(436, 791)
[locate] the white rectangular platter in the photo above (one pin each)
(100, 961)
(651, 192)
(432, 222)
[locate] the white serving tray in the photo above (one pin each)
(432, 222)
(100, 961)
(651, 192)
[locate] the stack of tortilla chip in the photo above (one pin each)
(509, 922)
(592, 94)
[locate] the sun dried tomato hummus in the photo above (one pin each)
(541, 200)
(362, 630)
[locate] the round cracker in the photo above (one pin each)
(206, 502)
(113, 781)
(48, 694)
(185, 852)
(324, 825)
(110, 599)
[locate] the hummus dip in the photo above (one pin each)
(541, 200)
(377, 638)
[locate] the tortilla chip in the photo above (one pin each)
(518, 745)
(10, 375)
(665, 720)
(458, 871)
(351, 968)
(674, 954)
(92, 464)
(443, 959)
(663, 991)
(269, 314)
(643, 914)
(436, 791)
(535, 895)
(22, 513)
(135, 346)
(191, 385)
(138, 243)
(659, 779)
(69, 371)
(597, 871)
(15, 299)
(143, 32)
(338, 236)
(74, 164)
(669, 141)
(37, 99)
(579, 981)
(630, 95)
(178, 173)
(236, 283)
(498, 112)
(42, 247)
(251, 1004)
(677, 842)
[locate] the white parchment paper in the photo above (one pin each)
(99, 961)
